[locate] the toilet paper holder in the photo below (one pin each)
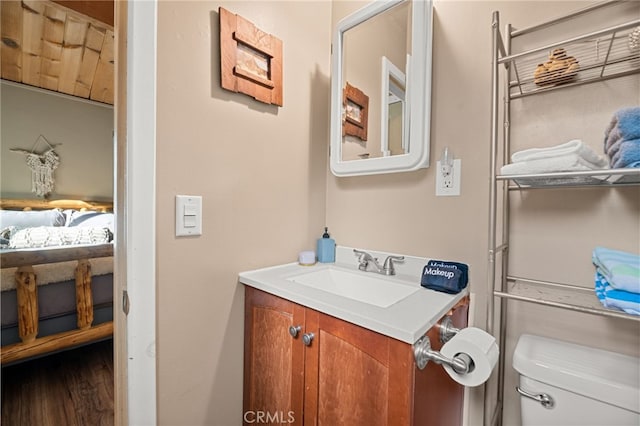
(447, 330)
(461, 363)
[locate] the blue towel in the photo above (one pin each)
(624, 125)
(448, 277)
(627, 154)
(616, 299)
(619, 268)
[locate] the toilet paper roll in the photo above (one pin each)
(480, 346)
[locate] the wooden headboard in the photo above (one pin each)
(32, 204)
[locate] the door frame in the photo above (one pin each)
(135, 397)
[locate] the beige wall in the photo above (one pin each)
(261, 171)
(264, 177)
(83, 129)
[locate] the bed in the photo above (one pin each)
(56, 260)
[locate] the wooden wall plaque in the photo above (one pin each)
(356, 112)
(250, 59)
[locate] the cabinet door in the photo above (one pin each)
(354, 376)
(274, 360)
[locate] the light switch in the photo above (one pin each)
(188, 215)
(190, 221)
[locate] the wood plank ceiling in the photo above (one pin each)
(47, 45)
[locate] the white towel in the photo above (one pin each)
(575, 146)
(564, 163)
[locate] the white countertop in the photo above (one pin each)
(406, 320)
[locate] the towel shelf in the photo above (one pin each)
(605, 178)
(602, 55)
(558, 295)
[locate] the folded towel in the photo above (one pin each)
(575, 146)
(624, 125)
(621, 269)
(616, 299)
(448, 277)
(627, 154)
(612, 141)
(564, 163)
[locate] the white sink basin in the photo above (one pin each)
(366, 287)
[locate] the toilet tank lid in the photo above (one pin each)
(606, 376)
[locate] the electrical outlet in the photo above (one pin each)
(448, 184)
(447, 178)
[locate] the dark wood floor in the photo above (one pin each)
(65, 389)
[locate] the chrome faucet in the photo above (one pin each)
(364, 259)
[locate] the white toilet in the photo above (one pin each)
(566, 384)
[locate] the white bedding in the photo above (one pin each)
(54, 227)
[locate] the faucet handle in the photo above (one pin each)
(361, 254)
(364, 258)
(388, 266)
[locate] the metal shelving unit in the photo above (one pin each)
(566, 296)
(605, 178)
(602, 55)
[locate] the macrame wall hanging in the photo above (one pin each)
(42, 166)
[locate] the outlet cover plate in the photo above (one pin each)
(454, 189)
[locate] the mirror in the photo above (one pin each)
(381, 89)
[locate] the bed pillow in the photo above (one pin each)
(92, 219)
(29, 219)
(50, 236)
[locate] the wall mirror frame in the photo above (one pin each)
(417, 102)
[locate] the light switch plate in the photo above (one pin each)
(188, 215)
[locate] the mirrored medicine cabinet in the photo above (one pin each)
(381, 88)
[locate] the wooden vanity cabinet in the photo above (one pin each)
(348, 375)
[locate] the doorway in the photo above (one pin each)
(134, 270)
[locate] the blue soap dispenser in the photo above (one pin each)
(326, 248)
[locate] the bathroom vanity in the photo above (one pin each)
(315, 356)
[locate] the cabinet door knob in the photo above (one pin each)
(307, 338)
(294, 330)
